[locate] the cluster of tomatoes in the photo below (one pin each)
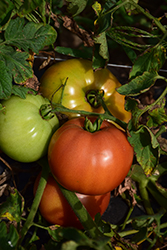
(91, 164)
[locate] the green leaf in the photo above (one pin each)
(86, 53)
(16, 64)
(12, 208)
(13, 65)
(140, 236)
(145, 146)
(103, 21)
(21, 91)
(157, 114)
(97, 61)
(130, 53)
(139, 85)
(5, 81)
(8, 237)
(28, 6)
(75, 7)
(30, 36)
(132, 106)
(130, 7)
(76, 238)
(120, 35)
(6, 8)
(152, 60)
(101, 55)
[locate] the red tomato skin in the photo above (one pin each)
(89, 163)
(56, 210)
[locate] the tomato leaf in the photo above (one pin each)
(100, 56)
(12, 208)
(13, 66)
(141, 235)
(30, 36)
(75, 7)
(6, 8)
(103, 21)
(5, 81)
(152, 60)
(8, 236)
(76, 238)
(21, 91)
(28, 6)
(86, 53)
(139, 85)
(145, 146)
(130, 7)
(157, 115)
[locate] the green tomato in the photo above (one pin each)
(24, 134)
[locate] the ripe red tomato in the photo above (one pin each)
(89, 163)
(81, 80)
(56, 210)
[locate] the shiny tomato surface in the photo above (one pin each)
(24, 134)
(56, 210)
(89, 163)
(81, 80)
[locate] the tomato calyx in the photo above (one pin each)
(94, 97)
(46, 112)
(92, 126)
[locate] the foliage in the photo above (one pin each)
(29, 28)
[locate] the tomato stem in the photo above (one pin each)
(92, 127)
(37, 199)
(46, 112)
(105, 116)
(94, 97)
(81, 212)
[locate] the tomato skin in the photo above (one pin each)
(81, 79)
(56, 210)
(24, 134)
(89, 163)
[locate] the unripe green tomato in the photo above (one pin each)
(56, 210)
(24, 134)
(81, 80)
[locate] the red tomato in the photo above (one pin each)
(89, 163)
(56, 210)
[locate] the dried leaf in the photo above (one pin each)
(45, 63)
(32, 83)
(127, 186)
(71, 25)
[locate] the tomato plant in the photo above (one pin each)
(81, 88)
(89, 163)
(56, 210)
(24, 134)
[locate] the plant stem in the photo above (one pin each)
(145, 199)
(157, 22)
(105, 116)
(140, 9)
(37, 199)
(127, 217)
(81, 212)
(129, 232)
(157, 195)
(148, 107)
